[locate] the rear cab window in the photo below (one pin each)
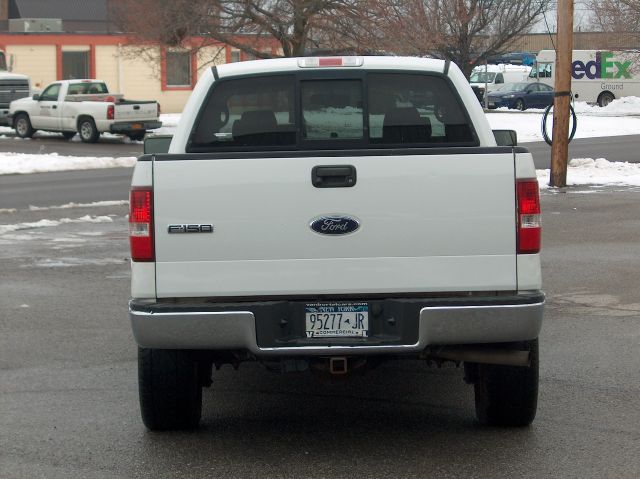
(87, 88)
(334, 110)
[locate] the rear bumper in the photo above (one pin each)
(133, 126)
(238, 326)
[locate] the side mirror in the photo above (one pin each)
(506, 137)
(36, 97)
(157, 144)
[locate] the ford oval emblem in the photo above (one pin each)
(335, 225)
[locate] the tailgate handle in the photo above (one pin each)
(136, 107)
(338, 176)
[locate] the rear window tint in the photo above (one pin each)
(414, 109)
(373, 110)
(86, 88)
(249, 112)
(332, 110)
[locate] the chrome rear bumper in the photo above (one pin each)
(163, 328)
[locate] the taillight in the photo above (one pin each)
(141, 224)
(529, 227)
(111, 110)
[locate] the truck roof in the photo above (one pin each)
(331, 62)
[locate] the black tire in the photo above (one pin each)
(87, 130)
(22, 125)
(170, 390)
(519, 105)
(605, 98)
(68, 134)
(137, 136)
(507, 395)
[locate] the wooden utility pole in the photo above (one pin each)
(564, 50)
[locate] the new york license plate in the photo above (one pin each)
(337, 320)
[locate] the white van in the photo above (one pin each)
(493, 77)
(597, 76)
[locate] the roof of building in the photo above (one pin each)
(93, 10)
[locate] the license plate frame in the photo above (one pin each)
(336, 320)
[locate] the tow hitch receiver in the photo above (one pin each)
(338, 365)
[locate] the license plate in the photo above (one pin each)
(137, 126)
(337, 320)
(491, 103)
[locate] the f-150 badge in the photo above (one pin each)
(195, 228)
(334, 225)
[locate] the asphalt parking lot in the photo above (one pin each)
(68, 392)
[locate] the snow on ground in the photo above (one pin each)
(78, 205)
(49, 223)
(22, 163)
(620, 117)
(587, 171)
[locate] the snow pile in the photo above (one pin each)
(169, 123)
(78, 205)
(49, 223)
(12, 163)
(528, 125)
(629, 105)
(587, 171)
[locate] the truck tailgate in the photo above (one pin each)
(136, 111)
(435, 222)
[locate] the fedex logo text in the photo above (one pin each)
(602, 67)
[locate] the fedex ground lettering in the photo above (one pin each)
(603, 67)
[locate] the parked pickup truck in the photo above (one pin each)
(85, 107)
(324, 214)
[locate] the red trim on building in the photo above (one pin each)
(92, 61)
(61, 39)
(58, 62)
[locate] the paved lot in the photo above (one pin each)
(68, 397)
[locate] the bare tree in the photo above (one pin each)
(615, 15)
(249, 25)
(466, 32)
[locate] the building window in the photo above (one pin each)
(235, 56)
(178, 69)
(75, 65)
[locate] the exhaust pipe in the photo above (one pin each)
(503, 357)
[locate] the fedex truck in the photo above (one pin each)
(597, 76)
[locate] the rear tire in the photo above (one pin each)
(68, 134)
(87, 130)
(507, 395)
(170, 389)
(22, 125)
(520, 105)
(605, 98)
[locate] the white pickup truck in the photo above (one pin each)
(85, 107)
(325, 214)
